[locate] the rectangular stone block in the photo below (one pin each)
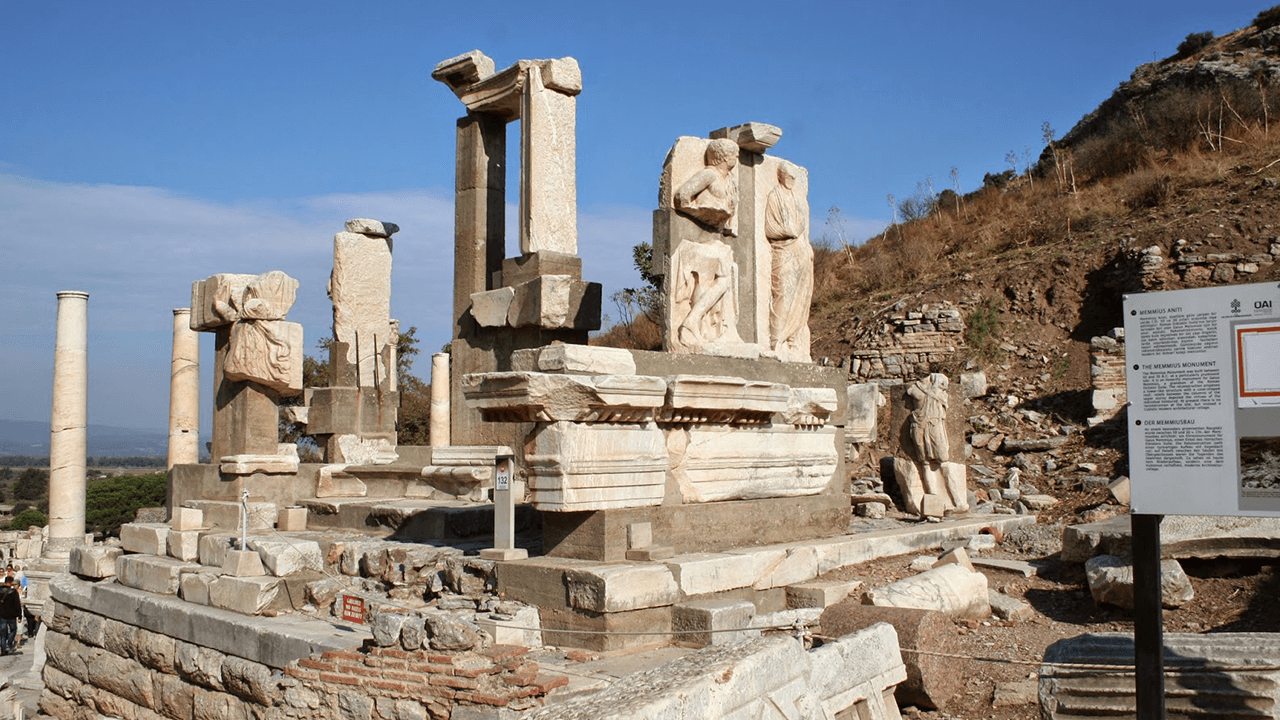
(616, 588)
(244, 595)
(693, 622)
(288, 556)
(184, 545)
(751, 463)
(185, 518)
(292, 519)
(95, 562)
(554, 302)
(639, 535)
(152, 573)
(243, 564)
(574, 466)
(574, 360)
(820, 593)
(704, 573)
(194, 587)
(522, 269)
(864, 409)
(214, 548)
(149, 538)
(711, 392)
(544, 397)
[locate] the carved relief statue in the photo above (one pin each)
(929, 473)
(703, 275)
(786, 226)
(929, 419)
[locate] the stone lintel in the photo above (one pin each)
(754, 136)
(500, 93)
(548, 397)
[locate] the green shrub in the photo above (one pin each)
(114, 501)
(27, 518)
(1267, 18)
(982, 328)
(1194, 42)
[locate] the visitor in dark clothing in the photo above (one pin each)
(10, 611)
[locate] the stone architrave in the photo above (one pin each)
(360, 288)
(184, 392)
(576, 466)
(68, 428)
(546, 397)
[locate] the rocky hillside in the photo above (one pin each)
(1173, 182)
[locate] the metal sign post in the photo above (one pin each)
(504, 514)
(1148, 617)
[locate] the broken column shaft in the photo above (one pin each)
(184, 392)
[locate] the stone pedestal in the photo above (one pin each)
(67, 439)
(184, 392)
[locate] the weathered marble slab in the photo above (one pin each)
(711, 463)
(596, 467)
(528, 396)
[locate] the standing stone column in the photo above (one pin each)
(184, 392)
(67, 438)
(439, 423)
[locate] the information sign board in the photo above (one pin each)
(352, 608)
(1203, 375)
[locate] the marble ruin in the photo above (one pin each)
(930, 483)
(731, 238)
(698, 490)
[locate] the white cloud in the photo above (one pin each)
(136, 250)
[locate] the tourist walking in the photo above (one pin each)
(10, 611)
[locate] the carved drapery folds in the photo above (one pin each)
(930, 483)
(731, 238)
(263, 347)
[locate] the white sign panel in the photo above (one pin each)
(1203, 371)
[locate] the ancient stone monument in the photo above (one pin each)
(258, 360)
(358, 408)
(731, 238)
(538, 297)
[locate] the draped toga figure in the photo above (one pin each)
(786, 225)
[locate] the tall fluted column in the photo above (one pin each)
(67, 439)
(184, 392)
(439, 421)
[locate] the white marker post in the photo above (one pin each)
(504, 514)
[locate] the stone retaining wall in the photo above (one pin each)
(100, 666)
(1110, 393)
(910, 344)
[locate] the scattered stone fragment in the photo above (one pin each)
(951, 589)
(1111, 581)
(1022, 692)
(956, 557)
(1120, 489)
(872, 510)
(1025, 569)
(1008, 608)
(981, 542)
(1038, 501)
(922, 563)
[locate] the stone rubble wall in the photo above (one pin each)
(909, 344)
(100, 666)
(1110, 393)
(1215, 268)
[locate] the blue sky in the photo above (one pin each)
(144, 145)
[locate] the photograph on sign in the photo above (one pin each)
(1258, 364)
(1203, 383)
